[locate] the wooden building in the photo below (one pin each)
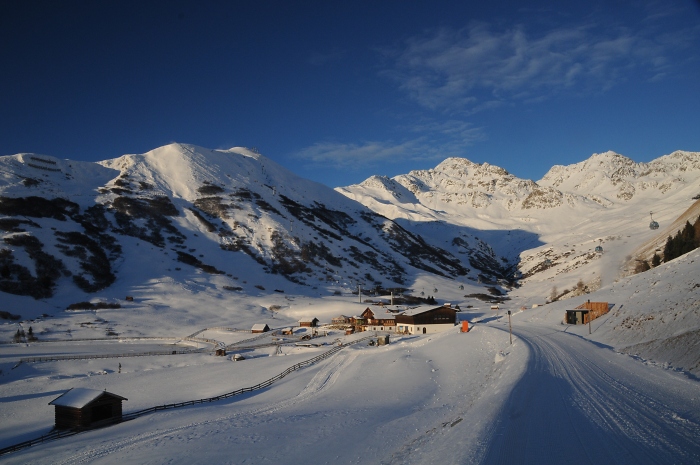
(87, 408)
(309, 322)
(341, 320)
(422, 321)
(260, 328)
(586, 312)
(376, 320)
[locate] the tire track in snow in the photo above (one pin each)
(580, 404)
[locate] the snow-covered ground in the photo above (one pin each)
(556, 395)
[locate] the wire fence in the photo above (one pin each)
(55, 358)
(106, 338)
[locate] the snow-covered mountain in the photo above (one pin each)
(231, 213)
(73, 226)
(549, 227)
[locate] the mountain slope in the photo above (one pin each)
(220, 212)
(558, 221)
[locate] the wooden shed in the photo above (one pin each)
(586, 312)
(87, 408)
(309, 322)
(260, 328)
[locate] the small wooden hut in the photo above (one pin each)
(586, 312)
(87, 408)
(309, 322)
(260, 328)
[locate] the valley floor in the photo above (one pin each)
(550, 397)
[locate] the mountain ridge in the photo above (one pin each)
(230, 212)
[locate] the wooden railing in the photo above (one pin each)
(57, 434)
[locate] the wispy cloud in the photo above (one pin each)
(481, 67)
(435, 141)
(344, 156)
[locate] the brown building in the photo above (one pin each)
(309, 322)
(422, 321)
(260, 328)
(376, 320)
(341, 320)
(586, 312)
(86, 408)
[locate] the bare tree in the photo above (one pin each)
(554, 294)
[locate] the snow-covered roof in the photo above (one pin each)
(419, 310)
(260, 327)
(80, 397)
(384, 315)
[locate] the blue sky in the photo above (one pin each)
(339, 91)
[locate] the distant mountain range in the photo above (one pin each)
(70, 224)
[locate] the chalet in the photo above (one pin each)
(341, 320)
(309, 322)
(260, 328)
(86, 408)
(586, 312)
(375, 320)
(422, 321)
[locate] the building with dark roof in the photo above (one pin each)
(422, 321)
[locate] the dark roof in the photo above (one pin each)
(419, 310)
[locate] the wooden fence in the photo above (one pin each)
(51, 436)
(56, 434)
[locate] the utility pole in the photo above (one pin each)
(510, 329)
(359, 292)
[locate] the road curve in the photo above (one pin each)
(581, 403)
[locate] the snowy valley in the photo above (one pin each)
(181, 250)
